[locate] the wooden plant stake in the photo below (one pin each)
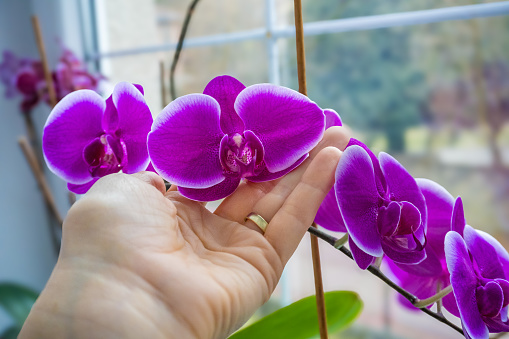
(301, 71)
(44, 61)
(29, 153)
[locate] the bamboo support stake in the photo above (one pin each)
(317, 270)
(44, 61)
(320, 298)
(29, 153)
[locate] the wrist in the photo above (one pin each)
(106, 303)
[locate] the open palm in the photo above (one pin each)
(137, 261)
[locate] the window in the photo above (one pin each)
(426, 80)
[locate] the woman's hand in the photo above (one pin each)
(139, 262)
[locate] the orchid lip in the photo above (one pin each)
(241, 155)
(105, 155)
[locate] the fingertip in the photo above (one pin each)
(152, 179)
(337, 136)
(325, 161)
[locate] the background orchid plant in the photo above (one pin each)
(25, 77)
(207, 143)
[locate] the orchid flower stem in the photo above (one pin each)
(431, 300)
(378, 262)
(190, 11)
(341, 241)
(376, 271)
(439, 301)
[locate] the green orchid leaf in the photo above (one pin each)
(299, 320)
(17, 301)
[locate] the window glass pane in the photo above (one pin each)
(334, 9)
(137, 23)
(214, 17)
(246, 61)
(438, 94)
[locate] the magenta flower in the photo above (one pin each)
(71, 75)
(383, 209)
(87, 137)
(207, 143)
(8, 71)
(427, 277)
(31, 84)
(479, 268)
(22, 76)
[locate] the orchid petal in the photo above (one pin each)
(184, 142)
(421, 287)
(110, 117)
(332, 118)
(81, 188)
(496, 325)
(288, 124)
(150, 168)
(328, 215)
(484, 254)
(503, 313)
(358, 199)
(429, 267)
(449, 302)
(403, 187)
(265, 175)
(73, 123)
(504, 285)
(225, 89)
(402, 255)
(379, 177)
(362, 259)
(388, 218)
(134, 123)
(410, 219)
(490, 299)
(458, 217)
(439, 203)
(464, 283)
(216, 192)
(502, 254)
(139, 88)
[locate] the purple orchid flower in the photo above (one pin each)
(22, 76)
(479, 268)
(71, 75)
(8, 69)
(31, 84)
(207, 143)
(383, 209)
(87, 137)
(430, 275)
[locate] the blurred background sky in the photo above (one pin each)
(434, 95)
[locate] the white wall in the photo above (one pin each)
(26, 252)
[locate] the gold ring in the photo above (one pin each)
(258, 220)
